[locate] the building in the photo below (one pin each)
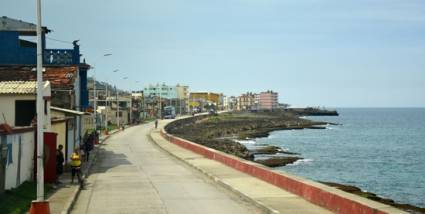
(137, 107)
(268, 100)
(183, 99)
(63, 124)
(63, 68)
(200, 101)
(17, 135)
(229, 103)
(18, 102)
(17, 54)
(166, 95)
(67, 78)
(246, 102)
(161, 90)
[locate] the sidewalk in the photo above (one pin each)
(268, 197)
(62, 199)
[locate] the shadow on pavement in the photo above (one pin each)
(106, 159)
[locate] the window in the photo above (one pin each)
(24, 112)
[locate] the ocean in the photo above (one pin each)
(380, 150)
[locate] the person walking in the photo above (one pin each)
(88, 146)
(60, 159)
(76, 166)
(156, 123)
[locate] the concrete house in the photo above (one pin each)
(17, 143)
(18, 102)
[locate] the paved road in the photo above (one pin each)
(132, 175)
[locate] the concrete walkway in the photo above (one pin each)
(60, 201)
(271, 198)
(133, 175)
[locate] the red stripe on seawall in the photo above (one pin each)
(323, 198)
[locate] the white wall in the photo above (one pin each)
(13, 177)
(7, 106)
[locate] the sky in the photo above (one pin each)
(332, 53)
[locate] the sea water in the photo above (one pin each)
(378, 150)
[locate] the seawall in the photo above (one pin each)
(330, 198)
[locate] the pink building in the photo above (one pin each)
(268, 100)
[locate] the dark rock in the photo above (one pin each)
(277, 161)
(372, 196)
(257, 150)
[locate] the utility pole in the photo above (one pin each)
(118, 108)
(160, 105)
(131, 107)
(106, 108)
(94, 104)
(40, 112)
(40, 205)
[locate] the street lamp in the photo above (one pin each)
(106, 104)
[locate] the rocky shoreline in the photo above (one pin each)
(224, 132)
(372, 196)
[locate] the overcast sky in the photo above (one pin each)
(352, 53)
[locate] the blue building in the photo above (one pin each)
(18, 55)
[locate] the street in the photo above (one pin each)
(133, 175)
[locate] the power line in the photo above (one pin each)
(58, 40)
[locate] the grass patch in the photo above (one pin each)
(18, 200)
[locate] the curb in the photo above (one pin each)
(70, 203)
(261, 206)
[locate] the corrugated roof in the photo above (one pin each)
(59, 77)
(19, 87)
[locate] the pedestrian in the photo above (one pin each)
(88, 145)
(75, 165)
(156, 123)
(85, 148)
(59, 162)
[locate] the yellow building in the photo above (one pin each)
(214, 98)
(200, 99)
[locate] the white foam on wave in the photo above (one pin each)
(246, 141)
(302, 162)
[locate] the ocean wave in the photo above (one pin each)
(246, 141)
(301, 162)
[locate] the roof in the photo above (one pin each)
(20, 87)
(69, 111)
(62, 77)
(24, 28)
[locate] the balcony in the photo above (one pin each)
(60, 57)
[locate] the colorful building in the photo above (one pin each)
(246, 101)
(268, 100)
(199, 100)
(17, 53)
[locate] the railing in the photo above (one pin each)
(58, 56)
